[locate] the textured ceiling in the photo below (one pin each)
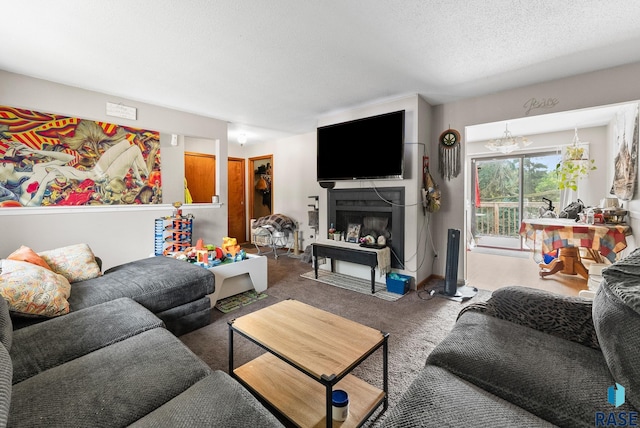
(273, 67)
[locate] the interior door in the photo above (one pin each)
(200, 172)
(237, 221)
(508, 189)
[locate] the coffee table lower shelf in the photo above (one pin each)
(300, 398)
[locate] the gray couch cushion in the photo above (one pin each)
(5, 385)
(618, 328)
(437, 398)
(187, 317)
(215, 401)
(6, 326)
(113, 386)
(76, 334)
(157, 283)
(557, 380)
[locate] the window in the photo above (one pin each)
(507, 189)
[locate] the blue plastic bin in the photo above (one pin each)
(397, 283)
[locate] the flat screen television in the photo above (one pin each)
(369, 148)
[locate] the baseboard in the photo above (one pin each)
(427, 280)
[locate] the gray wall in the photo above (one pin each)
(594, 89)
(297, 165)
(615, 85)
(116, 234)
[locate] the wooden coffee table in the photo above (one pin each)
(311, 352)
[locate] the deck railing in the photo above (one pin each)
(502, 218)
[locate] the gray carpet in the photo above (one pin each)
(416, 323)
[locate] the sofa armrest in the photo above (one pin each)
(474, 307)
(564, 316)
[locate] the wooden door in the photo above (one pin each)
(237, 222)
(200, 172)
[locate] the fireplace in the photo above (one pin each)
(378, 211)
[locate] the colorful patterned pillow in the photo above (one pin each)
(26, 254)
(75, 262)
(33, 290)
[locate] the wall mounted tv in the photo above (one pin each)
(369, 148)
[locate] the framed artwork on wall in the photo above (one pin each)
(54, 160)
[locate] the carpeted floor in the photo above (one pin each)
(416, 323)
(351, 283)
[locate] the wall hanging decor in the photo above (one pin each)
(450, 160)
(53, 160)
(626, 155)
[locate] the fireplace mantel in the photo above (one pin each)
(384, 201)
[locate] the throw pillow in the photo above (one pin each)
(74, 262)
(33, 290)
(26, 254)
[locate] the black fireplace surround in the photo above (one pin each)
(374, 208)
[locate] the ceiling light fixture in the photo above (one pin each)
(507, 143)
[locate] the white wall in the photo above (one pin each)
(415, 247)
(610, 86)
(294, 166)
(294, 177)
(116, 234)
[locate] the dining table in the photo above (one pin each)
(560, 240)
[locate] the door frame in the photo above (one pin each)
(251, 173)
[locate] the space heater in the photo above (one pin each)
(451, 270)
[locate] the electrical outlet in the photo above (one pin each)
(424, 197)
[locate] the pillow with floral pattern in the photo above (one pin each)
(32, 290)
(74, 262)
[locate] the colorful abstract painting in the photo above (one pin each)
(52, 160)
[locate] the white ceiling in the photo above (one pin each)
(271, 68)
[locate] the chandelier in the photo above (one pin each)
(507, 143)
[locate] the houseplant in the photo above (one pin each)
(575, 165)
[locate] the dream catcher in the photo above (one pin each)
(449, 162)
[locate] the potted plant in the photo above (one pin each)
(575, 165)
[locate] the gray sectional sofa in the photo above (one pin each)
(176, 291)
(530, 358)
(111, 362)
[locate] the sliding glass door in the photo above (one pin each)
(507, 189)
